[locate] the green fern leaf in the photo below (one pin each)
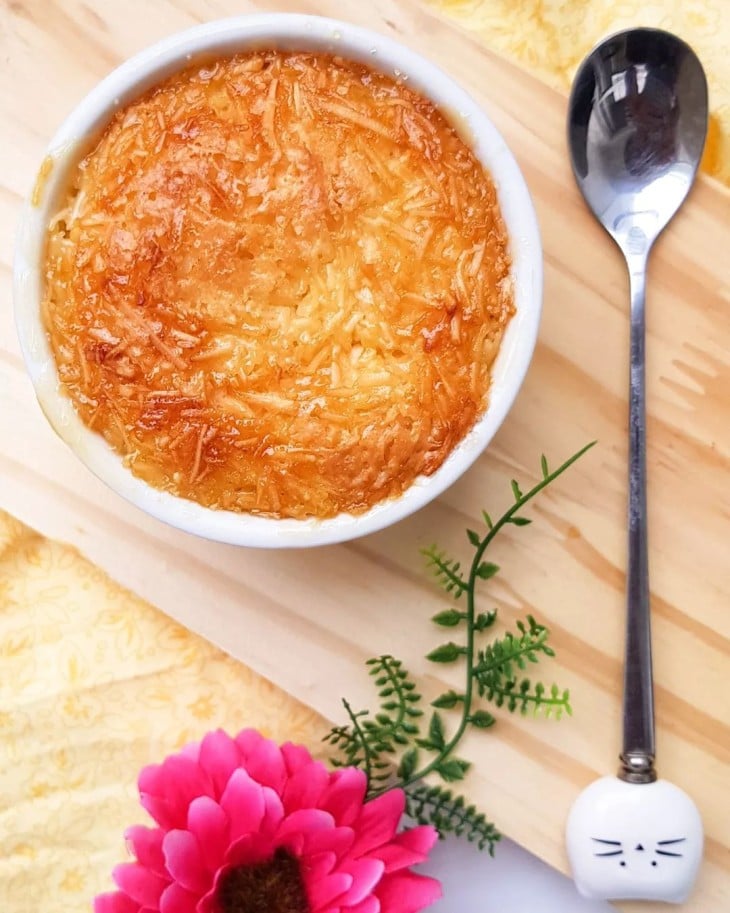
(452, 769)
(447, 572)
(520, 521)
(436, 805)
(436, 733)
(446, 653)
(450, 618)
(448, 700)
(408, 764)
(485, 620)
(481, 719)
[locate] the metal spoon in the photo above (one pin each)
(637, 121)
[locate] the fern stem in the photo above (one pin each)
(469, 656)
(367, 760)
(519, 504)
(471, 611)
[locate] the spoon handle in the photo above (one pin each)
(637, 756)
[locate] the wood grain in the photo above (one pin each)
(308, 620)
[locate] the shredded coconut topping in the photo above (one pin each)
(278, 284)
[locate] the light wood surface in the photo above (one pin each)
(307, 620)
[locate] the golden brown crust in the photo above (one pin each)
(278, 286)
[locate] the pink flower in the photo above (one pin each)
(248, 826)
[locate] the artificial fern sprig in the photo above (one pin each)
(390, 746)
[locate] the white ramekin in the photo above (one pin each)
(292, 32)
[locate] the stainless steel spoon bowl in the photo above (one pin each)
(637, 121)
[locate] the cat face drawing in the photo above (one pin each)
(615, 848)
(630, 841)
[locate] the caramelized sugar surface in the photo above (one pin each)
(278, 286)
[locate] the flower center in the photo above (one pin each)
(275, 886)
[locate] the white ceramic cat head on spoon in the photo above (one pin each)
(636, 129)
(634, 841)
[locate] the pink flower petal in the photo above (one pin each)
(240, 852)
(406, 892)
(150, 780)
(181, 773)
(378, 821)
(176, 899)
(191, 750)
(408, 848)
(159, 810)
(369, 905)
(337, 839)
(115, 902)
(145, 843)
(295, 757)
(168, 789)
(209, 823)
(318, 866)
(273, 812)
(265, 764)
(304, 821)
(219, 757)
(248, 740)
(366, 874)
(248, 850)
(243, 802)
(345, 795)
(184, 861)
(323, 892)
(305, 787)
(209, 904)
(140, 883)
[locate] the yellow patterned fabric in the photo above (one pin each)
(551, 37)
(94, 684)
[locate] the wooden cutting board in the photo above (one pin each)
(307, 620)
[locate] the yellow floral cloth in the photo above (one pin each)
(94, 684)
(551, 37)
